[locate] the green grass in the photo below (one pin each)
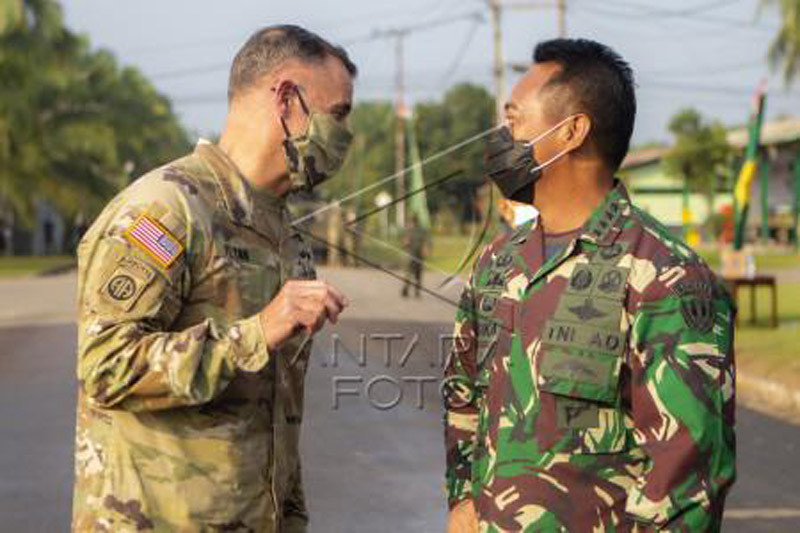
(11, 267)
(446, 252)
(767, 351)
(768, 261)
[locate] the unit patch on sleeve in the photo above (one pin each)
(126, 282)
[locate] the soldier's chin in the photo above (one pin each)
(283, 186)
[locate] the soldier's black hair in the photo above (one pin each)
(267, 48)
(600, 83)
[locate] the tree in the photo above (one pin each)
(785, 47)
(371, 156)
(701, 154)
(72, 124)
(464, 111)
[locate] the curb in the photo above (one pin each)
(63, 269)
(768, 397)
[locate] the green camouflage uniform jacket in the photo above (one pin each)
(595, 393)
(186, 422)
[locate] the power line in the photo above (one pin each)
(218, 67)
(714, 89)
(696, 14)
(461, 53)
(708, 69)
(182, 73)
(360, 19)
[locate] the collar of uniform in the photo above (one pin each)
(606, 222)
(521, 233)
(241, 201)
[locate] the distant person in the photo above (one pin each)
(197, 299)
(79, 228)
(48, 231)
(591, 386)
(4, 245)
(8, 239)
(417, 242)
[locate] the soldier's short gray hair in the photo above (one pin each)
(267, 48)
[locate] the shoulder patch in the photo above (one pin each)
(697, 306)
(154, 239)
(126, 283)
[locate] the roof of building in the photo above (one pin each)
(781, 131)
(774, 132)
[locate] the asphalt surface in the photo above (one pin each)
(373, 455)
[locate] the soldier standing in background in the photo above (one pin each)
(196, 301)
(591, 386)
(416, 241)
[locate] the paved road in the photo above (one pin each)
(371, 466)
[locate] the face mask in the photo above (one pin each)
(512, 165)
(318, 154)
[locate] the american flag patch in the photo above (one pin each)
(155, 239)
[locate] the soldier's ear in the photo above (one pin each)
(577, 130)
(284, 92)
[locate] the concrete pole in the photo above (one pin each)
(561, 7)
(764, 182)
(797, 200)
(400, 139)
(499, 71)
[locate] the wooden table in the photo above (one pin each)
(754, 283)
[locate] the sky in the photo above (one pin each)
(709, 54)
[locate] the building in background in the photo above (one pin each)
(662, 195)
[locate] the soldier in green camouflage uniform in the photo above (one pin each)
(591, 390)
(195, 307)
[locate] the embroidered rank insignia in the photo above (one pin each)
(154, 239)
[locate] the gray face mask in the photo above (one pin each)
(512, 165)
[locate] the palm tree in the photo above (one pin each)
(785, 47)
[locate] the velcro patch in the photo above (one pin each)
(154, 239)
(573, 413)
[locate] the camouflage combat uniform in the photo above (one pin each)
(186, 422)
(593, 391)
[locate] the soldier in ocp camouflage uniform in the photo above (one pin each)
(591, 387)
(196, 301)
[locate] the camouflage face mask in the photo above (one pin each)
(317, 154)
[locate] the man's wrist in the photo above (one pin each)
(250, 352)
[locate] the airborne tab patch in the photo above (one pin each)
(155, 240)
(126, 283)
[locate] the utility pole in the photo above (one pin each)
(499, 69)
(561, 7)
(400, 136)
(399, 34)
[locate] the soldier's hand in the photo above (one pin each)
(300, 304)
(463, 518)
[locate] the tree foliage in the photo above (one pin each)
(73, 124)
(784, 51)
(465, 111)
(701, 153)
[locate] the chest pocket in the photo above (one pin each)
(580, 360)
(257, 275)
